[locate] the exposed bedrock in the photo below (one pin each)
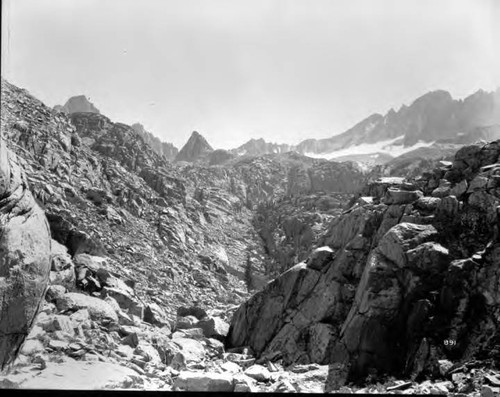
(393, 287)
(25, 248)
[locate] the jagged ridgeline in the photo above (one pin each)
(156, 261)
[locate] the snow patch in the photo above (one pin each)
(384, 147)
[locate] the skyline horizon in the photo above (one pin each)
(237, 69)
(256, 138)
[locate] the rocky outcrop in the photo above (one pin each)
(196, 149)
(166, 149)
(25, 253)
(396, 286)
(77, 104)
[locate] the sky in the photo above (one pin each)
(283, 70)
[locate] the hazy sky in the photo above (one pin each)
(284, 70)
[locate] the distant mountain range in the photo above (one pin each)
(81, 104)
(435, 121)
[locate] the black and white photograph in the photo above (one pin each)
(250, 196)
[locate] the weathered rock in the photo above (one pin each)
(403, 237)
(97, 308)
(193, 333)
(206, 382)
(283, 386)
(427, 203)
(31, 347)
(125, 300)
(155, 315)
(147, 352)
(58, 345)
(192, 350)
(320, 257)
(91, 262)
(230, 367)
(444, 366)
(186, 322)
(78, 375)
(132, 340)
(214, 327)
(243, 383)
(488, 391)
(320, 337)
(441, 191)
(258, 372)
(459, 189)
(25, 247)
(397, 196)
(62, 267)
(195, 311)
(54, 292)
(58, 323)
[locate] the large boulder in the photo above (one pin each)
(25, 248)
(99, 310)
(214, 327)
(204, 381)
(62, 270)
(192, 350)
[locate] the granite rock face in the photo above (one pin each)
(25, 253)
(401, 280)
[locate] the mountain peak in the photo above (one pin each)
(138, 127)
(432, 97)
(195, 148)
(77, 104)
(196, 134)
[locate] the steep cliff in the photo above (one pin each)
(25, 247)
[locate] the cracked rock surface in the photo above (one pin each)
(24, 256)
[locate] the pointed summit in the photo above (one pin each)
(77, 104)
(196, 148)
